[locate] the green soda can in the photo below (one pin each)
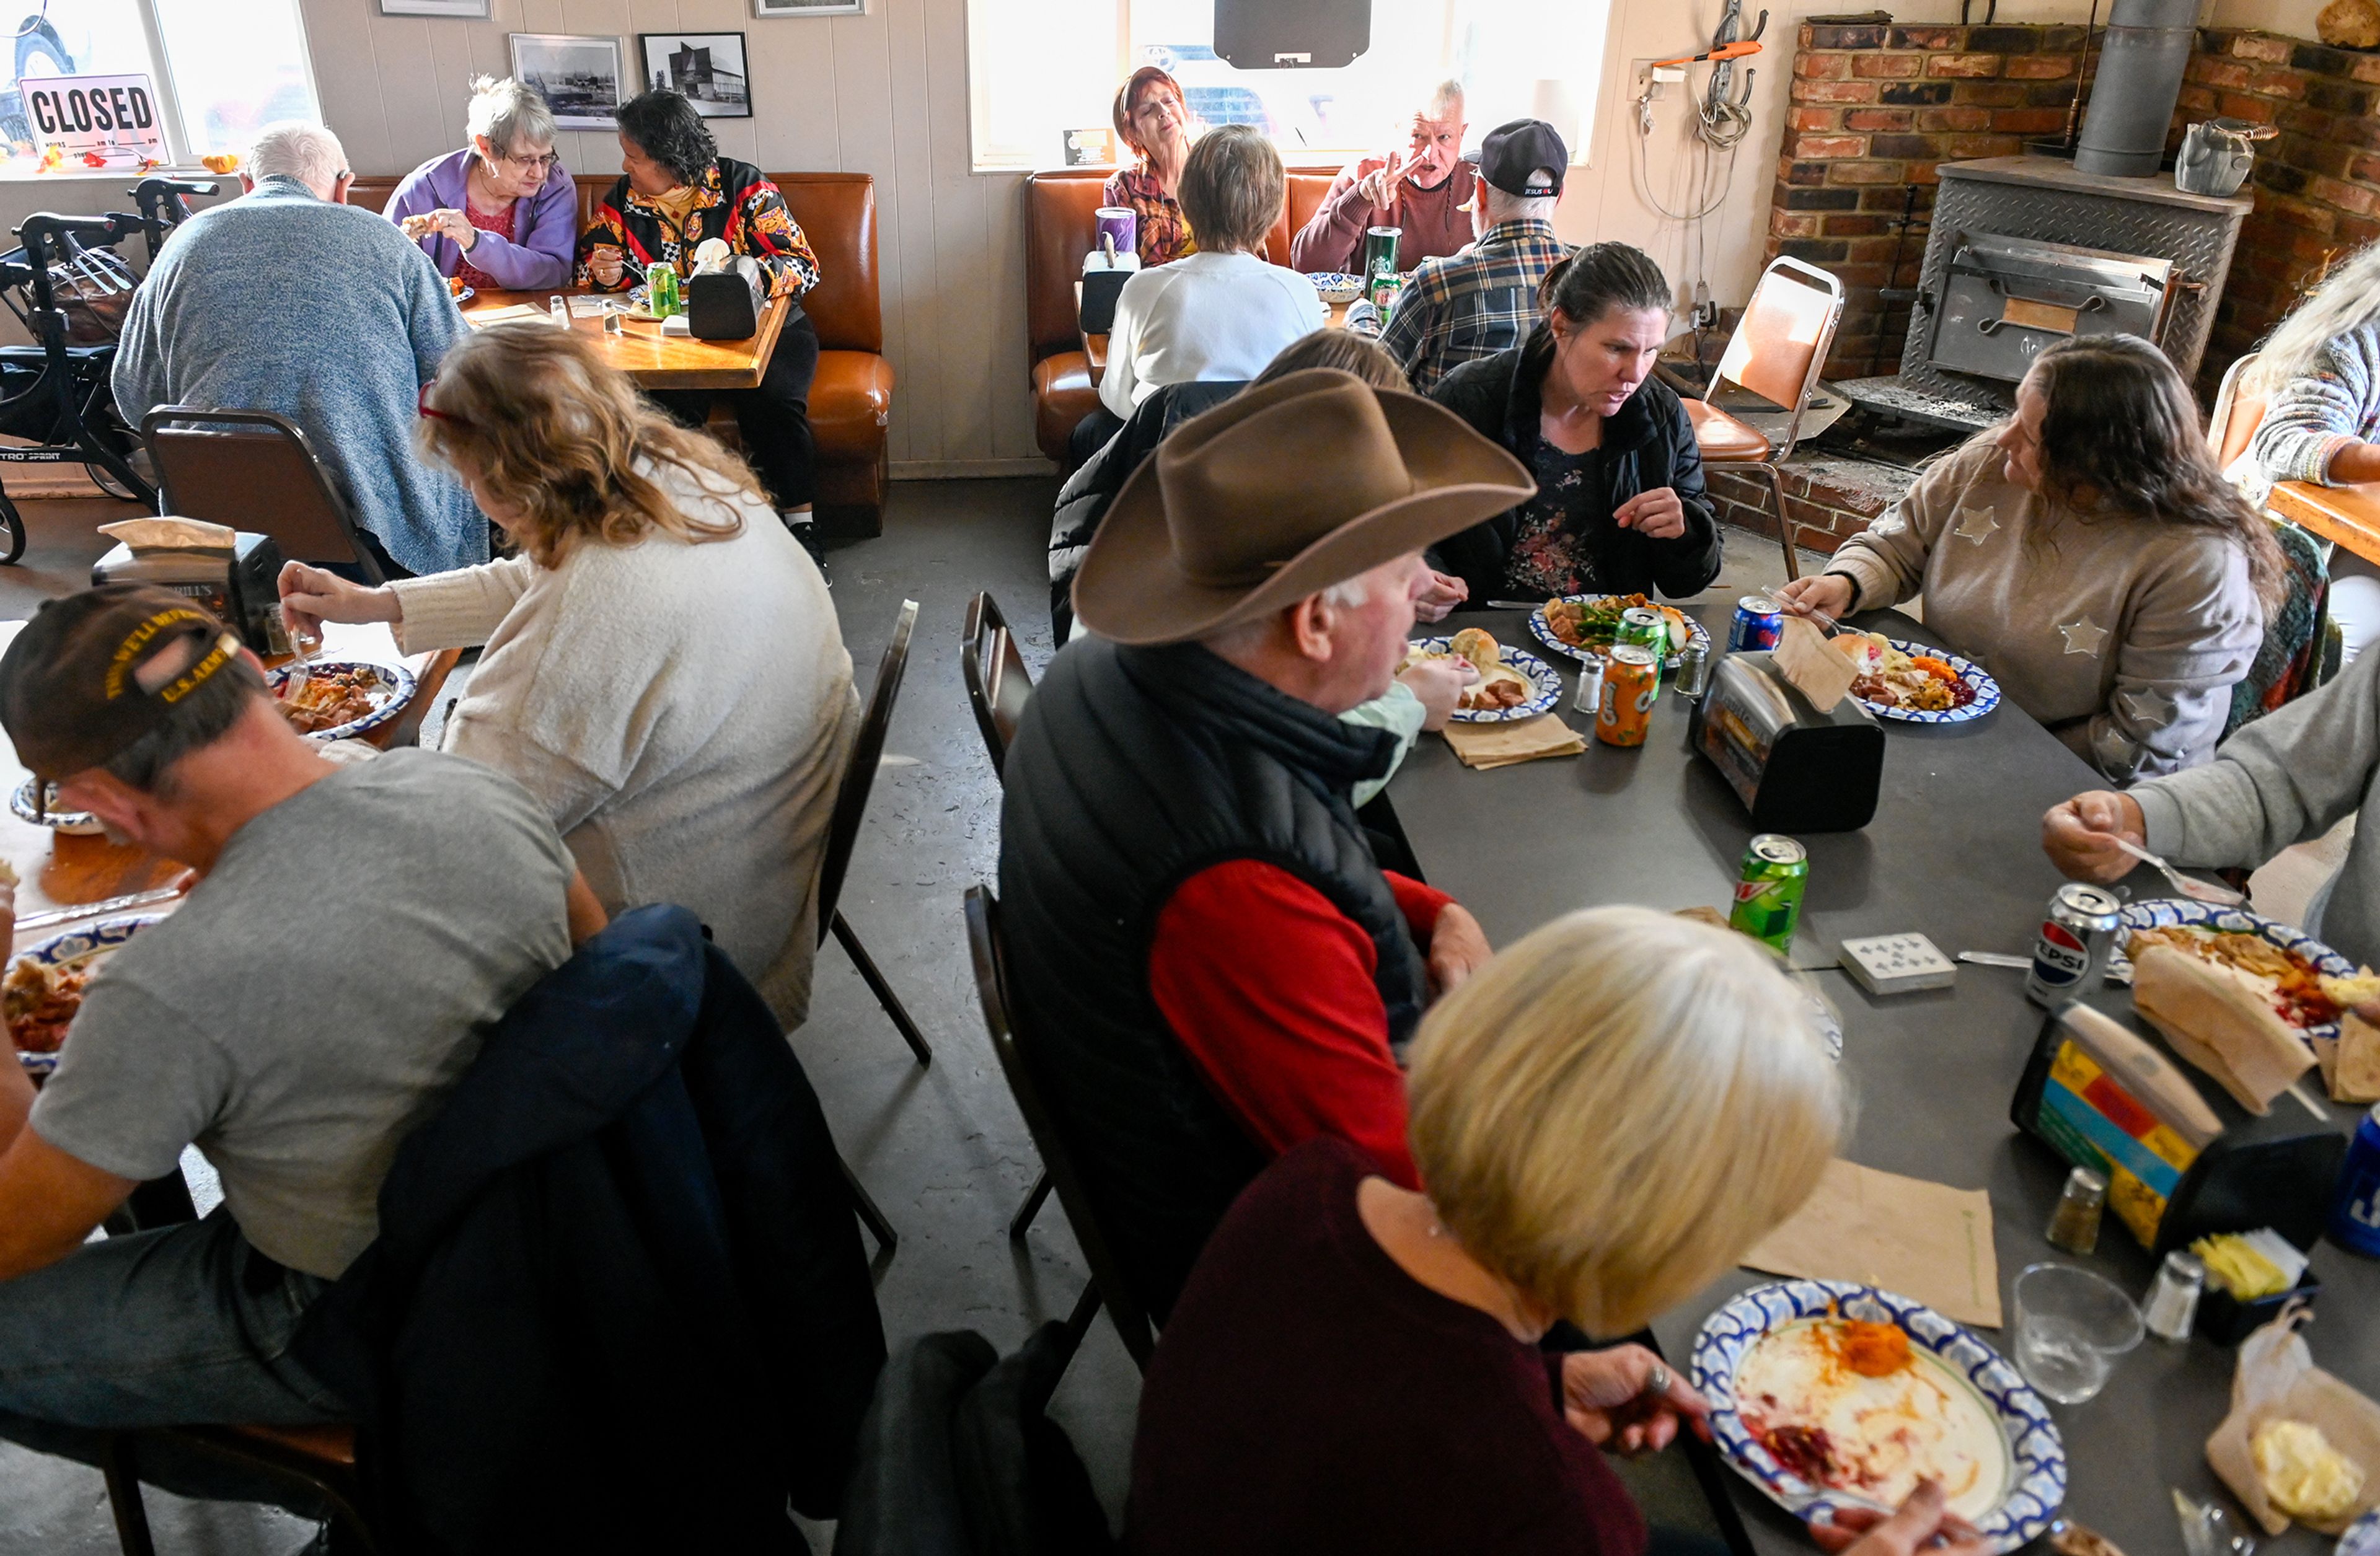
(1769, 891)
(662, 285)
(1649, 629)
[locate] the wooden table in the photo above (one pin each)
(2349, 515)
(1954, 852)
(61, 869)
(653, 360)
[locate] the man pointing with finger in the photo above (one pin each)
(1421, 188)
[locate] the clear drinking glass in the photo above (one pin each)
(2071, 1327)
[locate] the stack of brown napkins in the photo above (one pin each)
(1923, 1240)
(1486, 746)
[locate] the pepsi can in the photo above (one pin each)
(2078, 935)
(1758, 622)
(2355, 1207)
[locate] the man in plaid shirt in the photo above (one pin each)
(1484, 299)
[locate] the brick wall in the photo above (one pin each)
(1828, 499)
(1871, 110)
(2317, 186)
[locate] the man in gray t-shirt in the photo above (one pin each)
(354, 931)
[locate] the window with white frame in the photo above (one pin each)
(219, 70)
(1038, 68)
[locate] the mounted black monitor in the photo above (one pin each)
(1291, 34)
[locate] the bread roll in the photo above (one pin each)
(1476, 646)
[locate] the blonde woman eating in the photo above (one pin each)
(1354, 1367)
(663, 669)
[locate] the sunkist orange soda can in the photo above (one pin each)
(1630, 682)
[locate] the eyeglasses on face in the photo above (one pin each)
(549, 162)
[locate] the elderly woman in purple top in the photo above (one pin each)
(500, 212)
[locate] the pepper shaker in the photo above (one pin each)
(2074, 1225)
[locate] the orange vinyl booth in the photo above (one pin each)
(851, 400)
(1059, 230)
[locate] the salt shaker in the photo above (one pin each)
(2074, 1225)
(1694, 671)
(560, 309)
(2171, 1307)
(1590, 684)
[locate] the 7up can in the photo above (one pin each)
(1769, 891)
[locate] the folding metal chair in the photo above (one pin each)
(997, 681)
(1108, 1285)
(850, 810)
(252, 469)
(1777, 351)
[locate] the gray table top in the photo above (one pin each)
(1954, 852)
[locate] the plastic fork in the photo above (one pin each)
(2197, 891)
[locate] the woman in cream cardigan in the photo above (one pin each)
(663, 666)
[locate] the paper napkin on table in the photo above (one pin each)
(1486, 746)
(1922, 1240)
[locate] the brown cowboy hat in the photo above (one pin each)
(1279, 492)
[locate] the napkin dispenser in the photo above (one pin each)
(723, 302)
(235, 574)
(1104, 273)
(1796, 768)
(2103, 1097)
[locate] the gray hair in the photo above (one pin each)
(507, 112)
(1502, 205)
(1447, 94)
(2348, 300)
(294, 149)
(1240, 637)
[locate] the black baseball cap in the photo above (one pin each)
(70, 692)
(1513, 155)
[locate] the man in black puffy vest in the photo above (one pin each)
(1210, 965)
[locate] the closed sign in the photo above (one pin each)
(105, 113)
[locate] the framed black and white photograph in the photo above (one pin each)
(808, 7)
(434, 7)
(578, 76)
(706, 67)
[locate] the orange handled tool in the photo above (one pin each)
(1724, 51)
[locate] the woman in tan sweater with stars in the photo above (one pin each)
(2088, 553)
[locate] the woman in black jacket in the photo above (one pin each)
(1621, 507)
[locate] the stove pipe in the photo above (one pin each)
(2142, 57)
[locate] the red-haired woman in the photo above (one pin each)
(1154, 119)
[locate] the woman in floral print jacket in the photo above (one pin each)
(677, 193)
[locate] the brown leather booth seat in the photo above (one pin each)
(851, 400)
(1059, 230)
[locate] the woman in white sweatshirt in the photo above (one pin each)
(663, 666)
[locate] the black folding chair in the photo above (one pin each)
(254, 470)
(1108, 1285)
(997, 681)
(850, 809)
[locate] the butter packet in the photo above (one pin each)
(2276, 1383)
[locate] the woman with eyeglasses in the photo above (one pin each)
(499, 213)
(662, 666)
(1154, 119)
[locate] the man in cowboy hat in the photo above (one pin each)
(1210, 964)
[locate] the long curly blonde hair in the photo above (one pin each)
(543, 428)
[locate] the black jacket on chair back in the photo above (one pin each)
(1135, 768)
(618, 1300)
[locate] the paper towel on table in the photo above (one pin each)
(1922, 1240)
(1501, 745)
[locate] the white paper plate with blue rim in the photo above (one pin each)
(1978, 680)
(85, 943)
(1545, 682)
(80, 822)
(1336, 286)
(2033, 1483)
(1695, 633)
(2166, 913)
(396, 690)
(2361, 1539)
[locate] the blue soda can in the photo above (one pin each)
(1758, 622)
(2355, 1207)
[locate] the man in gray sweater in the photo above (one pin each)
(2288, 778)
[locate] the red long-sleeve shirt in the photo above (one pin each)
(1270, 988)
